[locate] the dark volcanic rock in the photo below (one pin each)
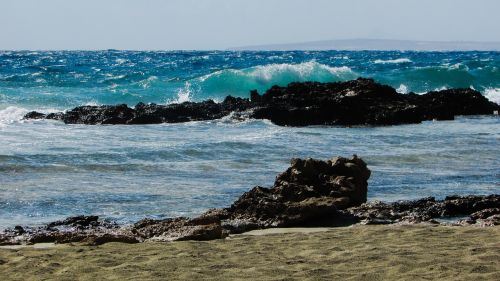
(309, 191)
(305, 194)
(356, 102)
(177, 229)
(79, 222)
(445, 104)
(147, 113)
(85, 229)
(427, 209)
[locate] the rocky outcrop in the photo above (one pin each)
(309, 193)
(476, 208)
(306, 193)
(356, 102)
(177, 229)
(85, 229)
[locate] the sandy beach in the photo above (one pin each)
(351, 253)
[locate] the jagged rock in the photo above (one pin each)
(485, 217)
(100, 239)
(78, 221)
(177, 229)
(427, 209)
(307, 192)
(356, 102)
(484, 214)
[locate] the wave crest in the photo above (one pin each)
(240, 82)
(12, 114)
(394, 61)
(493, 94)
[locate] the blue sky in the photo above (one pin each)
(220, 24)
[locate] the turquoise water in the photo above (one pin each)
(49, 170)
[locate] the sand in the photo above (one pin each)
(350, 253)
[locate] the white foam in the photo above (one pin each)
(493, 94)
(146, 83)
(269, 73)
(403, 89)
(266, 73)
(120, 61)
(92, 103)
(110, 76)
(183, 95)
(442, 88)
(394, 61)
(12, 114)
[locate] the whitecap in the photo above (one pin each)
(12, 114)
(493, 94)
(302, 71)
(183, 94)
(403, 89)
(120, 61)
(92, 103)
(442, 88)
(112, 77)
(146, 83)
(394, 61)
(238, 82)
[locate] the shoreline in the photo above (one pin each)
(310, 193)
(385, 252)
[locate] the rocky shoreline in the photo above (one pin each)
(309, 193)
(352, 103)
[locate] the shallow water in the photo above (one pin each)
(49, 170)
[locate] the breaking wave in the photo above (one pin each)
(11, 114)
(394, 61)
(493, 94)
(239, 82)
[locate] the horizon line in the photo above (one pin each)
(262, 47)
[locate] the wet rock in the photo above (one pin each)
(428, 209)
(19, 230)
(307, 192)
(356, 102)
(79, 221)
(35, 115)
(176, 229)
(364, 102)
(104, 238)
(465, 205)
(484, 214)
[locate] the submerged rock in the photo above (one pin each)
(356, 102)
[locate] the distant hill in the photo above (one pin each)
(379, 44)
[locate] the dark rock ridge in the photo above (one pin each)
(356, 102)
(309, 193)
(481, 210)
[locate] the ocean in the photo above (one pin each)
(49, 170)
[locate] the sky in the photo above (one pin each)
(222, 24)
